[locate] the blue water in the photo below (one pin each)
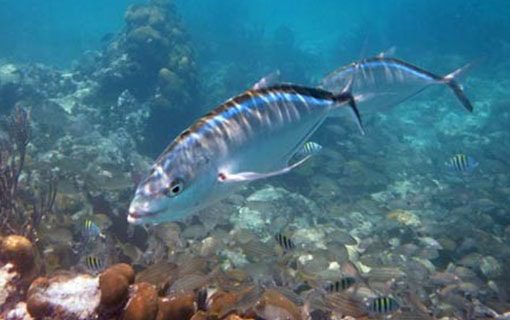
(110, 84)
(58, 31)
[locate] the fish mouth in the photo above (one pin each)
(137, 217)
(134, 218)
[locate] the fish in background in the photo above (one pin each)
(284, 242)
(461, 163)
(309, 148)
(254, 135)
(385, 82)
(340, 285)
(94, 264)
(382, 305)
(91, 231)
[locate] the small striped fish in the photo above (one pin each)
(383, 305)
(346, 304)
(285, 242)
(188, 283)
(310, 148)
(340, 285)
(94, 264)
(90, 230)
(461, 163)
(256, 250)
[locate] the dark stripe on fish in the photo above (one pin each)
(341, 285)
(94, 263)
(461, 163)
(284, 242)
(383, 305)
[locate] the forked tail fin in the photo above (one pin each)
(450, 81)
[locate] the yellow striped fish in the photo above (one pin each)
(383, 305)
(94, 264)
(90, 230)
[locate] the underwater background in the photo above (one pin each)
(391, 223)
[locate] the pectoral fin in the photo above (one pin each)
(252, 176)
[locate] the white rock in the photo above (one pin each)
(269, 193)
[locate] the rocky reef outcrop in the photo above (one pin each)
(152, 58)
(116, 292)
(89, 125)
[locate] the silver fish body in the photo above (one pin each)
(384, 82)
(257, 131)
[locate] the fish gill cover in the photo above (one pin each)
(273, 206)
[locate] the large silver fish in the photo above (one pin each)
(250, 137)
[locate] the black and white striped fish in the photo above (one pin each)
(90, 230)
(284, 241)
(94, 264)
(249, 137)
(382, 305)
(340, 285)
(461, 163)
(309, 148)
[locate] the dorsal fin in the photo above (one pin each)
(387, 53)
(268, 80)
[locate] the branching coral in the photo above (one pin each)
(15, 218)
(12, 158)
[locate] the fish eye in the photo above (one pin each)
(175, 188)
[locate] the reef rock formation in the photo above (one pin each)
(152, 58)
(80, 296)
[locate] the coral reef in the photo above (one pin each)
(142, 304)
(152, 58)
(80, 296)
(376, 209)
(64, 297)
(19, 266)
(21, 207)
(114, 285)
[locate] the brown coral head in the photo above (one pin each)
(19, 251)
(125, 270)
(177, 307)
(143, 304)
(37, 307)
(114, 288)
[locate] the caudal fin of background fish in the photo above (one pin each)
(456, 87)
